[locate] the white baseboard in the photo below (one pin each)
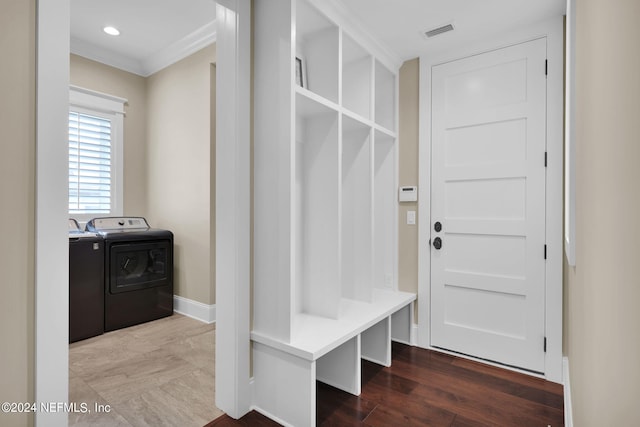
(271, 416)
(414, 334)
(568, 408)
(194, 309)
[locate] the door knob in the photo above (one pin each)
(437, 243)
(437, 226)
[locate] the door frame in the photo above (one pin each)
(51, 376)
(233, 206)
(553, 30)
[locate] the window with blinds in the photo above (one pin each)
(90, 157)
(96, 138)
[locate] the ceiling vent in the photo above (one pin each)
(436, 31)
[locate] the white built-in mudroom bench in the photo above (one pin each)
(325, 291)
(327, 350)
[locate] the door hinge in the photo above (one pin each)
(545, 159)
(545, 344)
(546, 67)
(545, 251)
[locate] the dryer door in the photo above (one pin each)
(139, 265)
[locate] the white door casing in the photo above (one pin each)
(488, 192)
(233, 206)
(552, 30)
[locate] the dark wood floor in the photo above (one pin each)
(426, 388)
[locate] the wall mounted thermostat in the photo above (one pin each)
(408, 194)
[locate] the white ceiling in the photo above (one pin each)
(156, 33)
(152, 32)
(398, 25)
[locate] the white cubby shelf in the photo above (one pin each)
(326, 350)
(315, 336)
(325, 209)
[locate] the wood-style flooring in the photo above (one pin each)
(159, 373)
(427, 388)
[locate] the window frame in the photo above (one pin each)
(86, 101)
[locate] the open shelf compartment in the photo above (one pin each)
(357, 66)
(317, 41)
(316, 209)
(384, 210)
(357, 217)
(385, 97)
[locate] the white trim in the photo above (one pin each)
(271, 416)
(552, 29)
(196, 310)
(106, 56)
(87, 98)
(414, 334)
(111, 108)
(189, 44)
(51, 178)
(424, 201)
(568, 406)
(233, 206)
(570, 136)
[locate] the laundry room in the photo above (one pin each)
(407, 197)
(162, 181)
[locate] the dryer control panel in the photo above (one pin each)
(115, 223)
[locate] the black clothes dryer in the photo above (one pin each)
(138, 279)
(86, 283)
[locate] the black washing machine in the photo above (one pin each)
(138, 275)
(86, 283)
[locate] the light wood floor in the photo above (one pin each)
(160, 373)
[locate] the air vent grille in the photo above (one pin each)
(436, 31)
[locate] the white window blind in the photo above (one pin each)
(89, 164)
(95, 154)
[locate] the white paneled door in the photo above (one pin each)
(488, 205)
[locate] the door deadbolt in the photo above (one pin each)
(437, 243)
(437, 226)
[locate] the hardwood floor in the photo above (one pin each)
(426, 388)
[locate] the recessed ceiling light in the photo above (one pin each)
(112, 31)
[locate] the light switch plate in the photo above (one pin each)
(411, 217)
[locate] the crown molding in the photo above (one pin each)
(191, 43)
(108, 57)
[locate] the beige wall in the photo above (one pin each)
(103, 78)
(168, 160)
(17, 219)
(408, 175)
(179, 168)
(602, 314)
